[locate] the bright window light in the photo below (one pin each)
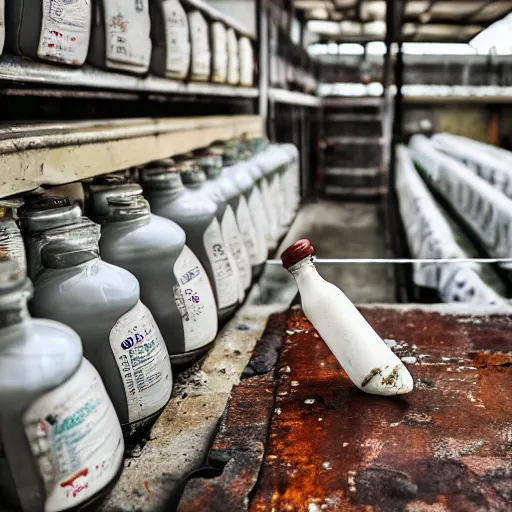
(498, 36)
(351, 49)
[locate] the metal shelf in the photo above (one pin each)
(17, 70)
(293, 98)
(347, 139)
(58, 153)
(354, 117)
(353, 101)
(367, 172)
(458, 99)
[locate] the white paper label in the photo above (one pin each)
(219, 52)
(127, 27)
(143, 362)
(246, 62)
(195, 301)
(65, 31)
(259, 219)
(234, 241)
(199, 37)
(233, 58)
(223, 271)
(177, 38)
(243, 219)
(76, 439)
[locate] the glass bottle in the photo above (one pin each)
(196, 214)
(101, 302)
(173, 283)
(49, 30)
(120, 38)
(368, 361)
(61, 443)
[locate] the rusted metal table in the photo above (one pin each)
(301, 437)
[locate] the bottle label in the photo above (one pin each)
(195, 301)
(234, 241)
(220, 52)
(200, 45)
(246, 62)
(65, 30)
(259, 219)
(143, 362)
(233, 58)
(223, 271)
(75, 438)
(177, 38)
(243, 218)
(127, 26)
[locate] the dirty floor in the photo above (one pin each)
(347, 230)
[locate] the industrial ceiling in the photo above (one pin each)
(420, 20)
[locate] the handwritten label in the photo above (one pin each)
(128, 34)
(199, 37)
(143, 362)
(223, 271)
(65, 31)
(76, 439)
(246, 62)
(219, 52)
(177, 39)
(233, 58)
(194, 299)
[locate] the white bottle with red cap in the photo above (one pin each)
(368, 361)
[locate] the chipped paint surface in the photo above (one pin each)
(445, 447)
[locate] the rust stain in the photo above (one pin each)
(237, 452)
(146, 490)
(447, 446)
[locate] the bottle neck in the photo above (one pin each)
(303, 267)
(172, 187)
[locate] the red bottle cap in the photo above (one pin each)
(297, 252)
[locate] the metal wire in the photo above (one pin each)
(399, 261)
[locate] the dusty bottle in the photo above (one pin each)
(254, 239)
(49, 30)
(61, 444)
(196, 214)
(246, 62)
(101, 303)
(173, 283)
(369, 363)
(241, 176)
(200, 43)
(2, 25)
(219, 52)
(170, 56)
(39, 215)
(120, 38)
(225, 194)
(233, 58)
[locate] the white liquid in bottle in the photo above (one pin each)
(369, 363)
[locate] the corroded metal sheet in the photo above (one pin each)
(236, 455)
(447, 446)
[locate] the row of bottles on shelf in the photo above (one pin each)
(119, 298)
(168, 38)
